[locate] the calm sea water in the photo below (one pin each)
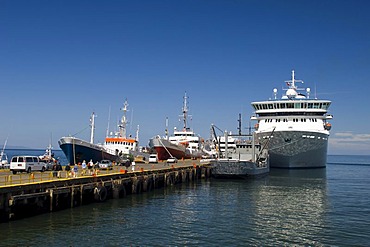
(321, 207)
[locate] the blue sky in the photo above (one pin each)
(62, 60)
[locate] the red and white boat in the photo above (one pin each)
(183, 144)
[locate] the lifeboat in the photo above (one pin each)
(327, 126)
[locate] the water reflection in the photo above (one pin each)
(285, 207)
(291, 207)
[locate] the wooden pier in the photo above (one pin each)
(33, 195)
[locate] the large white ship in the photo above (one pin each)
(296, 125)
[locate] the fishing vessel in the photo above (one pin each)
(183, 144)
(115, 148)
(295, 126)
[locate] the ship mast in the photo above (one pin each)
(123, 123)
(166, 130)
(240, 124)
(292, 82)
(185, 111)
(137, 133)
(92, 125)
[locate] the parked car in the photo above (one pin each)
(106, 165)
(153, 158)
(48, 165)
(4, 165)
(172, 160)
(26, 164)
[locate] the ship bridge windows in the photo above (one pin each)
(325, 105)
(292, 105)
(274, 114)
(289, 105)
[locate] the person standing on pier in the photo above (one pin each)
(75, 171)
(67, 169)
(90, 167)
(84, 167)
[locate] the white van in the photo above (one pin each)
(26, 164)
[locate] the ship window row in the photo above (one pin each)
(278, 114)
(122, 143)
(184, 134)
(276, 120)
(295, 120)
(291, 105)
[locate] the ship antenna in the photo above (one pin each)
(292, 83)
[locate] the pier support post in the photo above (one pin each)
(51, 200)
(72, 195)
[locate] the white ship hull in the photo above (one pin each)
(296, 149)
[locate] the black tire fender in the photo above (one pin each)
(100, 193)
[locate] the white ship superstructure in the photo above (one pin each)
(119, 141)
(297, 127)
